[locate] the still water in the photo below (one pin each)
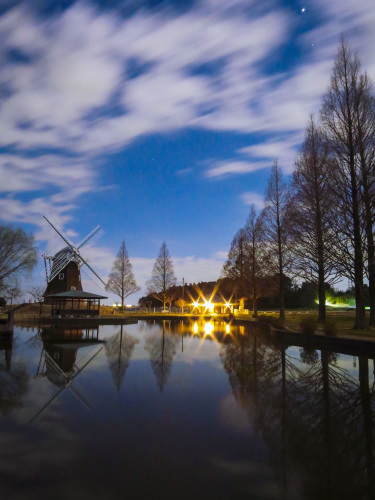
(183, 410)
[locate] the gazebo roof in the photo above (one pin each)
(77, 294)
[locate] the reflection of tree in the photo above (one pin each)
(315, 418)
(119, 350)
(13, 383)
(161, 347)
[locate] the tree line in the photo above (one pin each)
(319, 227)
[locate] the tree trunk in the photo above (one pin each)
(324, 356)
(360, 313)
(370, 238)
(367, 421)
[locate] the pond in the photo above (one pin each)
(182, 410)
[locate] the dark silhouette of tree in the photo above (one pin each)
(339, 119)
(163, 277)
(311, 213)
(276, 229)
(237, 265)
(256, 259)
(364, 110)
(17, 253)
(121, 279)
(37, 292)
(13, 293)
(162, 347)
(119, 350)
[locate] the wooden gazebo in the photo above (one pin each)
(75, 303)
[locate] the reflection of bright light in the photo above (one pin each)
(227, 304)
(227, 328)
(195, 327)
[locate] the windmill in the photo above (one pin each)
(63, 379)
(62, 270)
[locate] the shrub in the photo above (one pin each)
(309, 324)
(271, 320)
(330, 327)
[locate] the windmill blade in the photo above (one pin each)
(81, 399)
(70, 379)
(58, 232)
(98, 231)
(61, 265)
(56, 264)
(91, 269)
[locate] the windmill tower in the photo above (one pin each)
(63, 270)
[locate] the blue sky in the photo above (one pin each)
(159, 120)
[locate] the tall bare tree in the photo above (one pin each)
(121, 279)
(364, 109)
(311, 214)
(339, 120)
(163, 277)
(275, 226)
(17, 253)
(255, 260)
(236, 266)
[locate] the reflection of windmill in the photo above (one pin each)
(119, 350)
(58, 363)
(62, 271)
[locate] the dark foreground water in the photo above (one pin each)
(172, 410)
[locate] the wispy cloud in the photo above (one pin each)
(222, 169)
(256, 199)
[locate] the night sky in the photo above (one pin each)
(159, 120)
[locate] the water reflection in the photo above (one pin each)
(162, 346)
(58, 359)
(316, 418)
(233, 414)
(119, 350)
(13, 382)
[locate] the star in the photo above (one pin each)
(303, 9)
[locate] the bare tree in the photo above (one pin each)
(163, 277)
(364, 109)
(276, 229)
(255, 260)
(37, 292)
(339, 120)
(121, 279)
(13, 293)
(236, 266)
(17, 252)
(311, 215)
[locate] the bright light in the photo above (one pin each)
(195, 304)
(208, 328)
(209, 305)
(195, 328)
(227, 328)
(303, 9)
(227, 304)
(129, 305)
(114, 305)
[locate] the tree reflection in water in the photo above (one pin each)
(315, 417)
(161, 346)
(119, 350)
(13, 381)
